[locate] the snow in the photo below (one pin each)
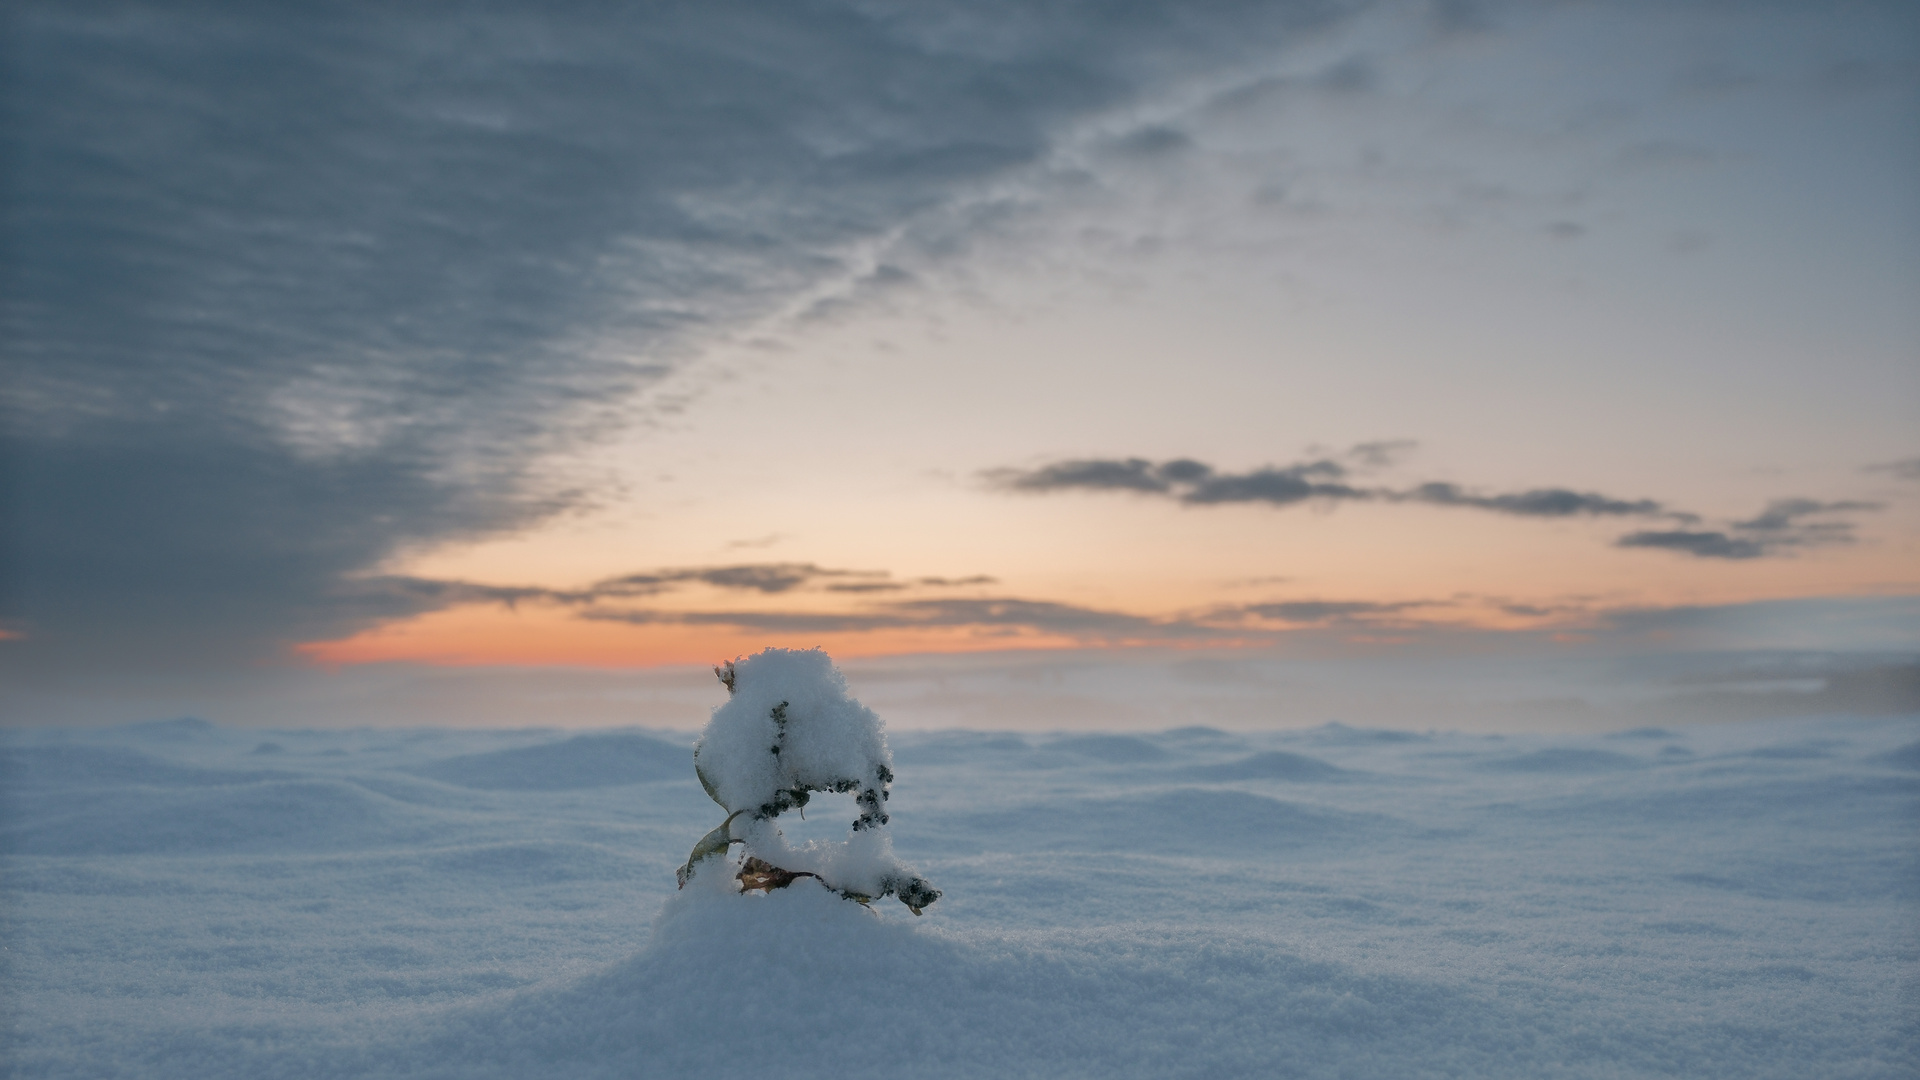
(788, 721)
(789, 729)
(185, 900)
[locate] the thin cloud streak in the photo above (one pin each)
(765, 578)
(1012, 620)
(1324, 611)
(1087, 624)
(1702, 544)
(1904, 469)
(848, 605)
(1783, 517)
(1196, 483)
(1003, 613)
(1540, 502)
(1781, 528)
(1092, 625)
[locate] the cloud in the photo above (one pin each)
(1190, 481)
(1017, 614)
(901, 586)
(1131, 474)
(1354, 75)
(1814, 623)
(1782, 517)
(1705, 544)
(1006, 614)
(1540, 502)
(403, 594)
(1323, 611)
(1199, 484)
(1461, 17)
(1381, 453)
(1276, 487)
(764, 578)
(1780, 528)
(1904, 469)
(429, 593)
(291, 291)
(601, 601)
(1532, 611)
(1151, 142)
(1820, 625)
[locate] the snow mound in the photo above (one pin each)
(1565, 760)
(33, 767)
(1335, 733)
(1269, 765)
(797, 982)
(1001, 749)
(790, 728)
(1181, 821)
(585, 761)
(276, 816)
(1111, 749)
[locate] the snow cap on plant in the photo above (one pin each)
(790, 728)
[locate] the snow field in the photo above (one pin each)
(1727, 900)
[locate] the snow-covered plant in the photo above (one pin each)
(789, 728)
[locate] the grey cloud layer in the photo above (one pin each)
(1904, 469)
(626, 599)
(1002, 614)
(291, 287)
(773, 578)
(1320, 611)
(1198, 484)
(1785, 525)
(1705, 544)
(1185, 479)
(1540, 502)
(764, 578)
(610, 600)
(1012, 614)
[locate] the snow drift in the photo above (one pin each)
(1729, 900)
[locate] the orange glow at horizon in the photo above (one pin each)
(1390, 571)
(478, 636)
(533, 635)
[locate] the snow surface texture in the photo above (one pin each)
(1715, 901)
(788, 730)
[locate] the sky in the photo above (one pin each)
(561, 338)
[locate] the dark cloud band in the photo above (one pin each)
(1540, 502)
(1782, 527)
(763, 578)
(1198, 484)
(1703, 544)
